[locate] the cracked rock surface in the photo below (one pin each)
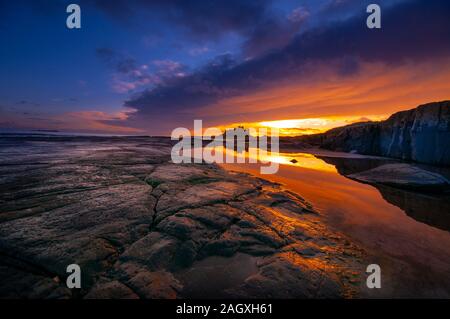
(140, 226)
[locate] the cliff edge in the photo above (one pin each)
(421, 135)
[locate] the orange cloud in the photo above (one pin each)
(375, 92)
(96, 121)
(82, 121)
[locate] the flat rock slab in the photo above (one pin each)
(404, 176)
(140, 226)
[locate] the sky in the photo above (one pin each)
(148, 67)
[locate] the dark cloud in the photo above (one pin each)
(261, 27)
(202, 18)
(413, 31)
(129, 74)
(119, 62)
(200, 88)
(271, 33)
(345, 8)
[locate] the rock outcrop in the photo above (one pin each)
(421, 135)
(404, 176)
(140, 226)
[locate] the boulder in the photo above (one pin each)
(403, 176)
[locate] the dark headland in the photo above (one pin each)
(421, 135)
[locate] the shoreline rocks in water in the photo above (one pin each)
(421, 135)
(404, 176)
(142, 227)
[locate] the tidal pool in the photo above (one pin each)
(407, 233)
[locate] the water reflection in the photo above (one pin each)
(253, 155)
(411, 228)
(432, 209)
(406, 232)
(426, 208)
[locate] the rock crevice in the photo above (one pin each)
(144, 227)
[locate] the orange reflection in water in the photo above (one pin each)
(303, 160)
(360, 211)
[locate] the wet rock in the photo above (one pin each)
(279, 271)
(155, 250)
(265, 236)
(404, 176)
(139, 226)
(257, 250)
(18, 283)
(180, 226)
(217, 216)
(221, 247)
(186, 254)
(155, 285)
(174, 173)
(111, 290)
(200, 195)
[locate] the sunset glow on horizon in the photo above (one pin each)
(260, 63)
(307, 126)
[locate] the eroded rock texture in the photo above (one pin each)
(142, 227)
(421, 134)
(405, 176)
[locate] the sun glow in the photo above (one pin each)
(297, 127)
(307, 126)
(301, 123)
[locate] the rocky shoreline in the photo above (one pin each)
(142, 227)
(421, 135)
